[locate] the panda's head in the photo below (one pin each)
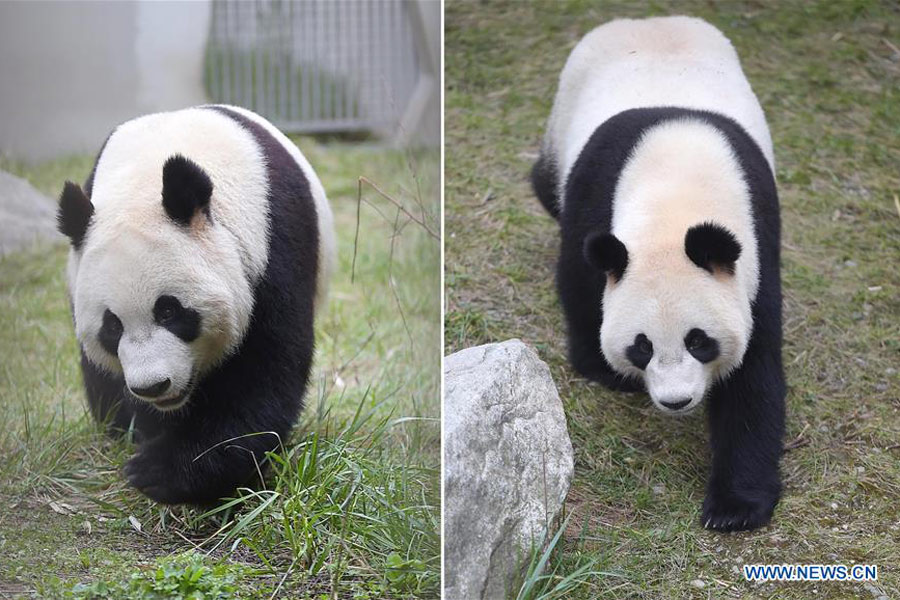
(673, 314)
(157, 287)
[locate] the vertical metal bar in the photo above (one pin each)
(209, 65)
(322, 61)
(233, 54)
(250, 54)
(314, 63)
(259, 48)
(372, 55)
(238, 66)
(359, 71)
(345, 67)
(274, 56)
(292, 82)
(283, 62)
(239, 73)
(302, 58)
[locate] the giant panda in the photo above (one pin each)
(658, 165)
(201, 246)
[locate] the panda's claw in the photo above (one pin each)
(736, 512)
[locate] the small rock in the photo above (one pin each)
(698, 583)
(658, 489)
(26, 215)
(135, 524)
(850, 263)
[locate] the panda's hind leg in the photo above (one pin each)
(544, 183)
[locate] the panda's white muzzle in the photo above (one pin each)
(676, 386)
(158, 368)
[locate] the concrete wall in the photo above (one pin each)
(71, 71)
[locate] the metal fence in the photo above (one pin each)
(314, 66)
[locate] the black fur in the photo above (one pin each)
(606, 253)
(187, 189)
(711, 246)
(241, 409)
(110, 332)
(183, 322)
(640, 352)
(746, 412)
(543, 181)
(701, 346)
(74, 214)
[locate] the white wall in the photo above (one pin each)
(71, 71)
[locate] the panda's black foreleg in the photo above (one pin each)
(580, 292)
(746, 422)
(175, 468)
(106, 398)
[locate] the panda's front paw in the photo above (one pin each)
(595, 368)
(156, 473)
(737, 511)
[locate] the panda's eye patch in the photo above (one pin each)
(110, 332)
(640, 352)
(184, 322)
(701, 346)
(166, 309)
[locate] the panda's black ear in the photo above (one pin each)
(606, 253)
(186, 190)
(74, 214)
(712, 247)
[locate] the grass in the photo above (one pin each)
(351, 505)
(827, 74)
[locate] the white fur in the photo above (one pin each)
(661, 61)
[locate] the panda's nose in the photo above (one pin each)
(677, 405)
(152, 391)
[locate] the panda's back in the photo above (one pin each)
(657, 62)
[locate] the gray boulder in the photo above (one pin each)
(26, 215)
(508, 464)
